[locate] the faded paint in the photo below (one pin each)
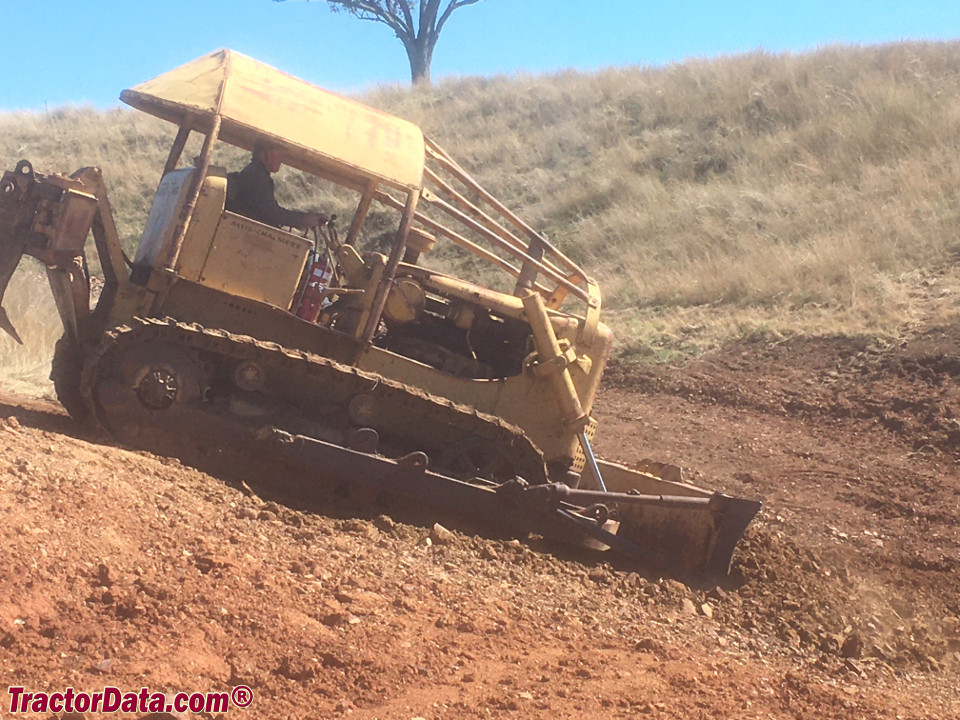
(320, 131)
(255, 261)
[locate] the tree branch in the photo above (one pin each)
(428, 17)
(454, 4)
(418, 40)
(407, 15)
(382, 12)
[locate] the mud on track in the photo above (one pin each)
(131, 570)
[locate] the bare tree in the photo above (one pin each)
(418, 38)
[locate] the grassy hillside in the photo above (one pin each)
(756, 194)
(813, 193)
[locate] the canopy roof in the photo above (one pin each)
(321, 132)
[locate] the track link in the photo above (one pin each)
(301, 389)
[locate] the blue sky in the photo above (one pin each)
(86, 51)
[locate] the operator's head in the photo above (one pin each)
(269, 154)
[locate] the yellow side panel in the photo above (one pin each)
(525, 400)
(203, 224)
(255, 261)
(165, 213)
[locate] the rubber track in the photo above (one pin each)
(426, 408)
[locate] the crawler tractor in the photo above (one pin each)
(223, 336)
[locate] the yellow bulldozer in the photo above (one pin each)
(224, 335)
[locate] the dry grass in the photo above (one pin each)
(25, 369)
(785, 194)
(750, 195)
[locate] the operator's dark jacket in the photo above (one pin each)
(250, 193)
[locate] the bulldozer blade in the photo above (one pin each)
(681, 534)
(689, 528)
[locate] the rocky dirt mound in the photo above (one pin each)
(909, 389)
(131, 570)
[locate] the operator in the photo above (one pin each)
(250, 192)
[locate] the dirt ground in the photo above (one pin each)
(131, 570)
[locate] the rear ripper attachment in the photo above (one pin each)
(49, 217)
(46, 219)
